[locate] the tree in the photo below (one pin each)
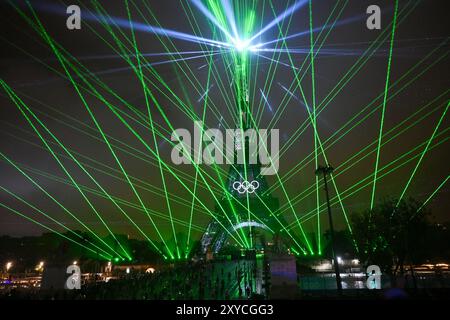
(392, 235)
(343, 243)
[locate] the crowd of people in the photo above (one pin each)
(189, 280)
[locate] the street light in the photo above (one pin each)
(8, 266)
(40, 266)
(325, 171)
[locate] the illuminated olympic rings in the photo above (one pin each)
(245, 186)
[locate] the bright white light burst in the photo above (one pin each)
(241, 45)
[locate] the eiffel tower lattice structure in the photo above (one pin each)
(246, 202)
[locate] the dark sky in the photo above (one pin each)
(57, 104)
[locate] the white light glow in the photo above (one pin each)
(249, 224)
(241, 45)
(256, 47)
(40, 266)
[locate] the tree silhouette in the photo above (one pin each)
(392, 236)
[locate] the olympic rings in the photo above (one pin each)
(245, 186)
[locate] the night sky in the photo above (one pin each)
(54, 100)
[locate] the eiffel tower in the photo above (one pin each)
(247, 203)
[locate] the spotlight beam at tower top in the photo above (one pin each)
(240, 41)
(211, 17)
(137, 26)
(297, 5)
